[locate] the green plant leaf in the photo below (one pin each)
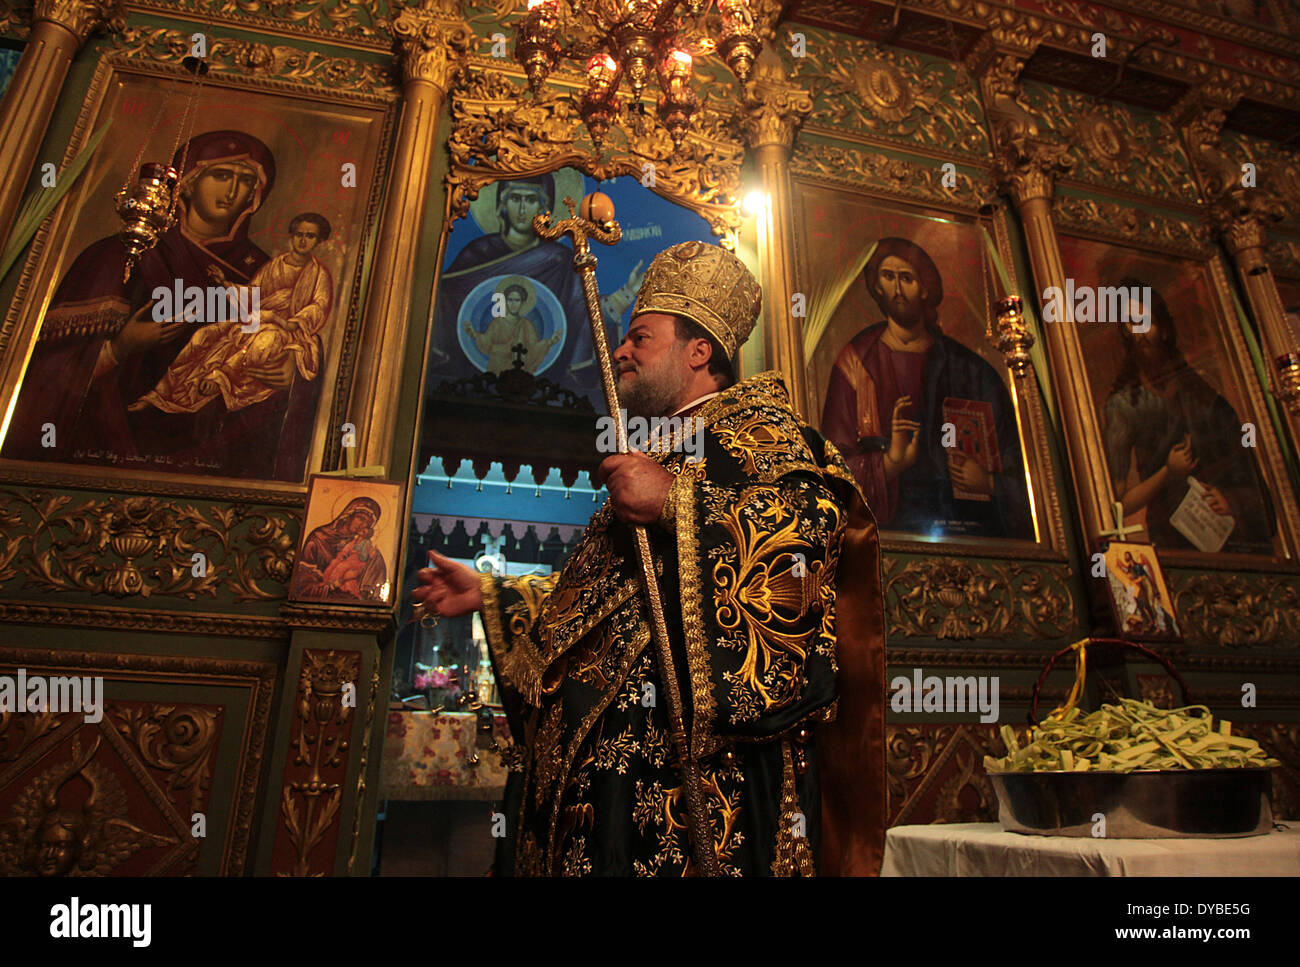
(39, 204)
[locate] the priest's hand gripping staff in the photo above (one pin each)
(596, 220)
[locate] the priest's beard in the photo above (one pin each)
(657, 390)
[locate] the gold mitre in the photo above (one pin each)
(706, 284)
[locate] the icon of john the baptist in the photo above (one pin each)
(99, 348)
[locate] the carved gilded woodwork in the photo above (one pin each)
(1239, 210)
(104, 827)
(959, 656)
(163, 753)
(1284, 256)
(865, 167)
(1116, 146)
(935, 773)
(311, 794)
(500, 130)
(1070, 25)
(1235, 610)
(774, 107)
(1026, 165)
(1277, 169)
(431, 39)
(1193, 14)
(178, 740)
(81, 17)
(371, 699)
(887, 95)
(361, 23)
(269, 63)
(134, 546)
(963, 599)
(15, 18)
(59, 29)
(1124, 222)
(1201, 113)
(431, 42)
(773, 110)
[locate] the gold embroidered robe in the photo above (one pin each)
(748, 554)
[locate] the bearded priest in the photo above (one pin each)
(768, 567)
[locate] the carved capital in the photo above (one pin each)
(81, 17)
(1027, 162)
(773, 114)
(431, 40)
(1241, 217)
(774, 108)
(1029, 171)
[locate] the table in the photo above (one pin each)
(984, 849)
(430, 755)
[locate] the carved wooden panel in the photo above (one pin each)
(126, 795)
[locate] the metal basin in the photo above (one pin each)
(1145, 804)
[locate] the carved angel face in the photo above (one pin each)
(58, 847)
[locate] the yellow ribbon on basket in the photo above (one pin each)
(1080, 649)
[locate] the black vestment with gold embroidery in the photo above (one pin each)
(747, 555)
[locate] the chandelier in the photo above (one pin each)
(628, 39)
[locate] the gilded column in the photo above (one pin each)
(1026, 165)
(774, 109)
(59, 28)
(431, 39)
(1239, 212)
(1239, 219)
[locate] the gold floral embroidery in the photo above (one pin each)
(515, 658)
(631, 629)
(576, 862)
(654, 744)
(765, 583)
(528, 857)
(616, 751)
(754, 440)
(548, 752)
(664, 811)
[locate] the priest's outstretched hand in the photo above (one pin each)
(637, 486)
(448, 589)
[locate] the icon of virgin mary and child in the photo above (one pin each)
(340, 561)
(124, 389)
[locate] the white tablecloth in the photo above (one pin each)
(984, 849)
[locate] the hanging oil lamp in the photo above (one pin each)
(147, 206)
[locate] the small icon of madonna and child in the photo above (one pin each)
(340, 560)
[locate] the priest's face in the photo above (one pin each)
(903, 293)
(653, 372)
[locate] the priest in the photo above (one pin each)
(769, 572)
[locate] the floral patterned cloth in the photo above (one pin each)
(431, 755)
